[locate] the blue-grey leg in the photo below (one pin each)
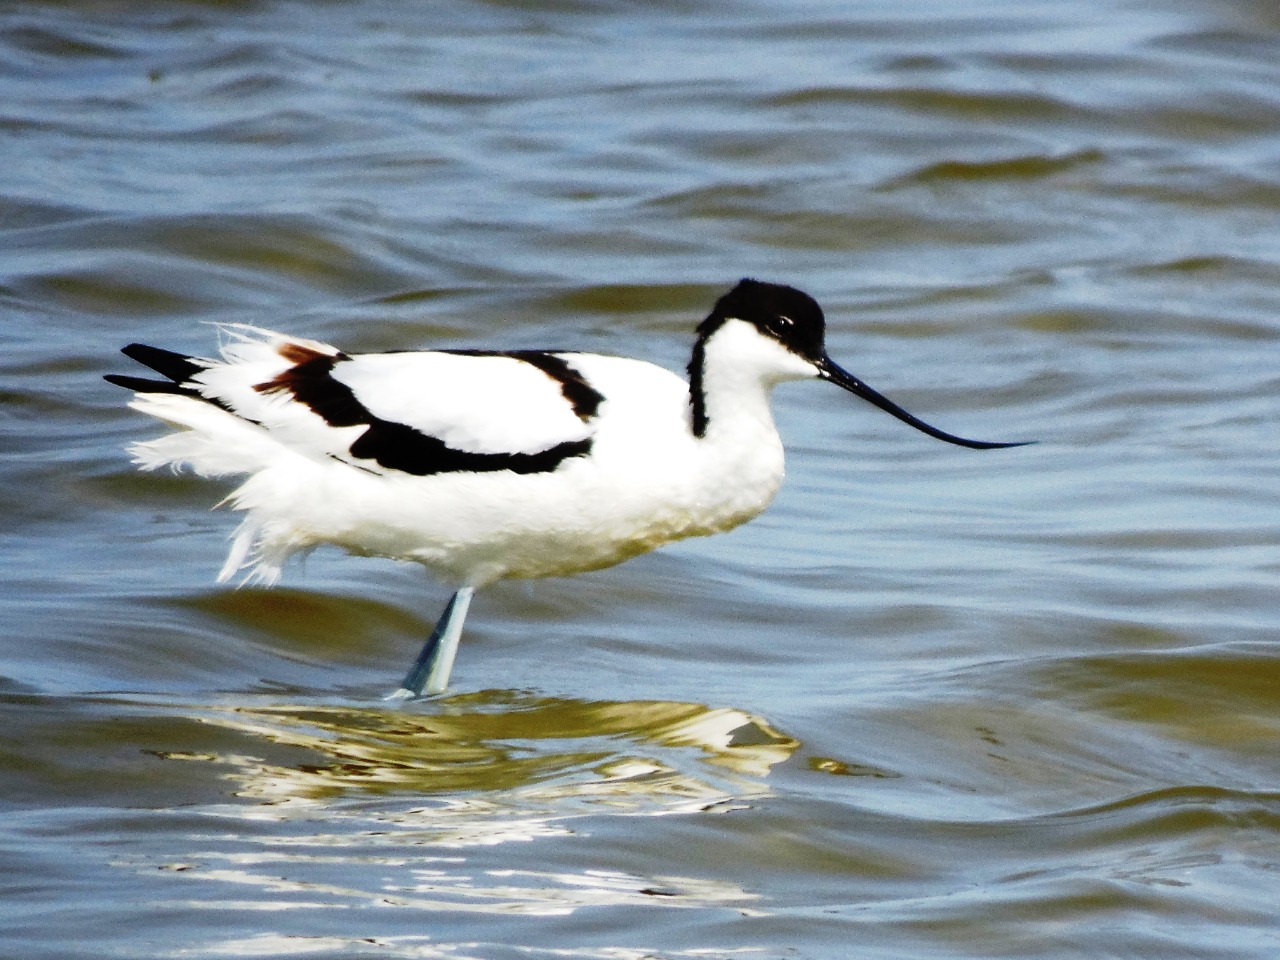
(430, 672)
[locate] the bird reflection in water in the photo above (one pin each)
(486, 760)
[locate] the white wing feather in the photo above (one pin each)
(481, 404)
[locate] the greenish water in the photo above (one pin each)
(934, 704)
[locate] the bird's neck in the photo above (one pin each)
(739, 462)
(727, 396)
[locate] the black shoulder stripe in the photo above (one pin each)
(397, 446)
(584, 398)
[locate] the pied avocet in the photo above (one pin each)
(483, 464)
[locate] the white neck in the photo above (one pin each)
(740, 368)
(741, 450)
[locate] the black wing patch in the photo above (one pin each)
(399, 447)
(396, 446)
(178, 367)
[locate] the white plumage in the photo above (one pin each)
(482, 465)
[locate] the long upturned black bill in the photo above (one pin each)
(842, 378)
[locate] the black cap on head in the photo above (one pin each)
(784, 313)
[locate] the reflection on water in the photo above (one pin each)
(397, 787)
(519, 753)
(423, 883)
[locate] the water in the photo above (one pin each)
(934, 703)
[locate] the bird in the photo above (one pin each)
(480, 464)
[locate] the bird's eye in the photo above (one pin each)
(780, 323)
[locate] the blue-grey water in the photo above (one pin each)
(935, 703)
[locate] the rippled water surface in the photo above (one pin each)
(934, 703)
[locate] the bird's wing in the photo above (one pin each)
(420, 413)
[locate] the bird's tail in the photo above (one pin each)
(215, 443)
(214, 440)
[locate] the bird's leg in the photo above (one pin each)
(430, 672)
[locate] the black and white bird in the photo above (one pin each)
(484, 464)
